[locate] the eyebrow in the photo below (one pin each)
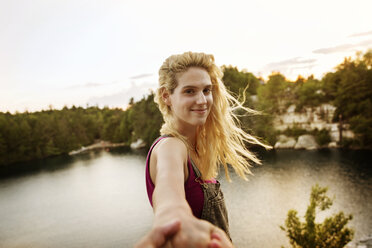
(195, 87)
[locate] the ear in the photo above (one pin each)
(166, 97)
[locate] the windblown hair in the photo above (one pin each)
(220, 141)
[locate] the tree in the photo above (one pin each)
(332, 233)
(272, 96)
(126, 128)
(350, 89)
(308, 93)
(146, 120)
(244, 85)
(237, 81)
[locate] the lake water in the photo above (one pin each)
(99, 199)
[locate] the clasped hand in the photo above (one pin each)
(194, 234)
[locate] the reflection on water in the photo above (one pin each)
(99, 199)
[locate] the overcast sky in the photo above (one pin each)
(63, 52)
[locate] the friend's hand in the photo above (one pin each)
(196, 233)
(220, 239)
(158, 236)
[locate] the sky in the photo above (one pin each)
(93, 52)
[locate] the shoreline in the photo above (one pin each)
(98, 145)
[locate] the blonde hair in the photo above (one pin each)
(220, 141)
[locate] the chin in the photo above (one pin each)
(199, 122)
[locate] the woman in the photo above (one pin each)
(199, 134)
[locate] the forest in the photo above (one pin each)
(27, 136)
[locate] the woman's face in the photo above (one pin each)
(191, 100)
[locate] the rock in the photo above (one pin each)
(348, 134)
(282, 138)
(285, 145)
(285, 142)
(254, 98)
(319, 117)
(332, 144)
(138, 144)
(306, 142)
(291, 109)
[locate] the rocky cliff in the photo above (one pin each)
(309, 119)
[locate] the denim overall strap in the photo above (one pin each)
(214, 208)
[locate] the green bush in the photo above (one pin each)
(295, 131)
(322, 137)
(332, 233)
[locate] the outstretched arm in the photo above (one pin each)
(168, 171)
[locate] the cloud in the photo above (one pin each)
(367, 43)
(361, 34)
(93, 84)
(88, 85)
(303, 67)
(345, 47)
(121, 99)
(291, 62)
(144, 75)
(335, 49)
(291, 67)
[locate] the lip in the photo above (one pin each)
(199, 110)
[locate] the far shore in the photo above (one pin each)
(134, 146)
(98, 145)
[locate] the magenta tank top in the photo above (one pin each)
(193, 189)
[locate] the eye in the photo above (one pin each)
(207, 91)
(189, 91)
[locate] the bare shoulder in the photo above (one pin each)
(171, 145)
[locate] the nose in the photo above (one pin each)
(201, 98)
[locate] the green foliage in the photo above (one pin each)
(260, 126)
(110, 129)
(126, 127)
(350, 89)
(26, 136)
(322, 137)
(295, 131)
(146, 120)
(244, 85)
(42, 134)
(236, 81)
(362, 126)
(308, 93)
(274, 95)
(332, 233)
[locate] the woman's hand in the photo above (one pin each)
(157, 237)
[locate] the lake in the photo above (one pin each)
(99, 199)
